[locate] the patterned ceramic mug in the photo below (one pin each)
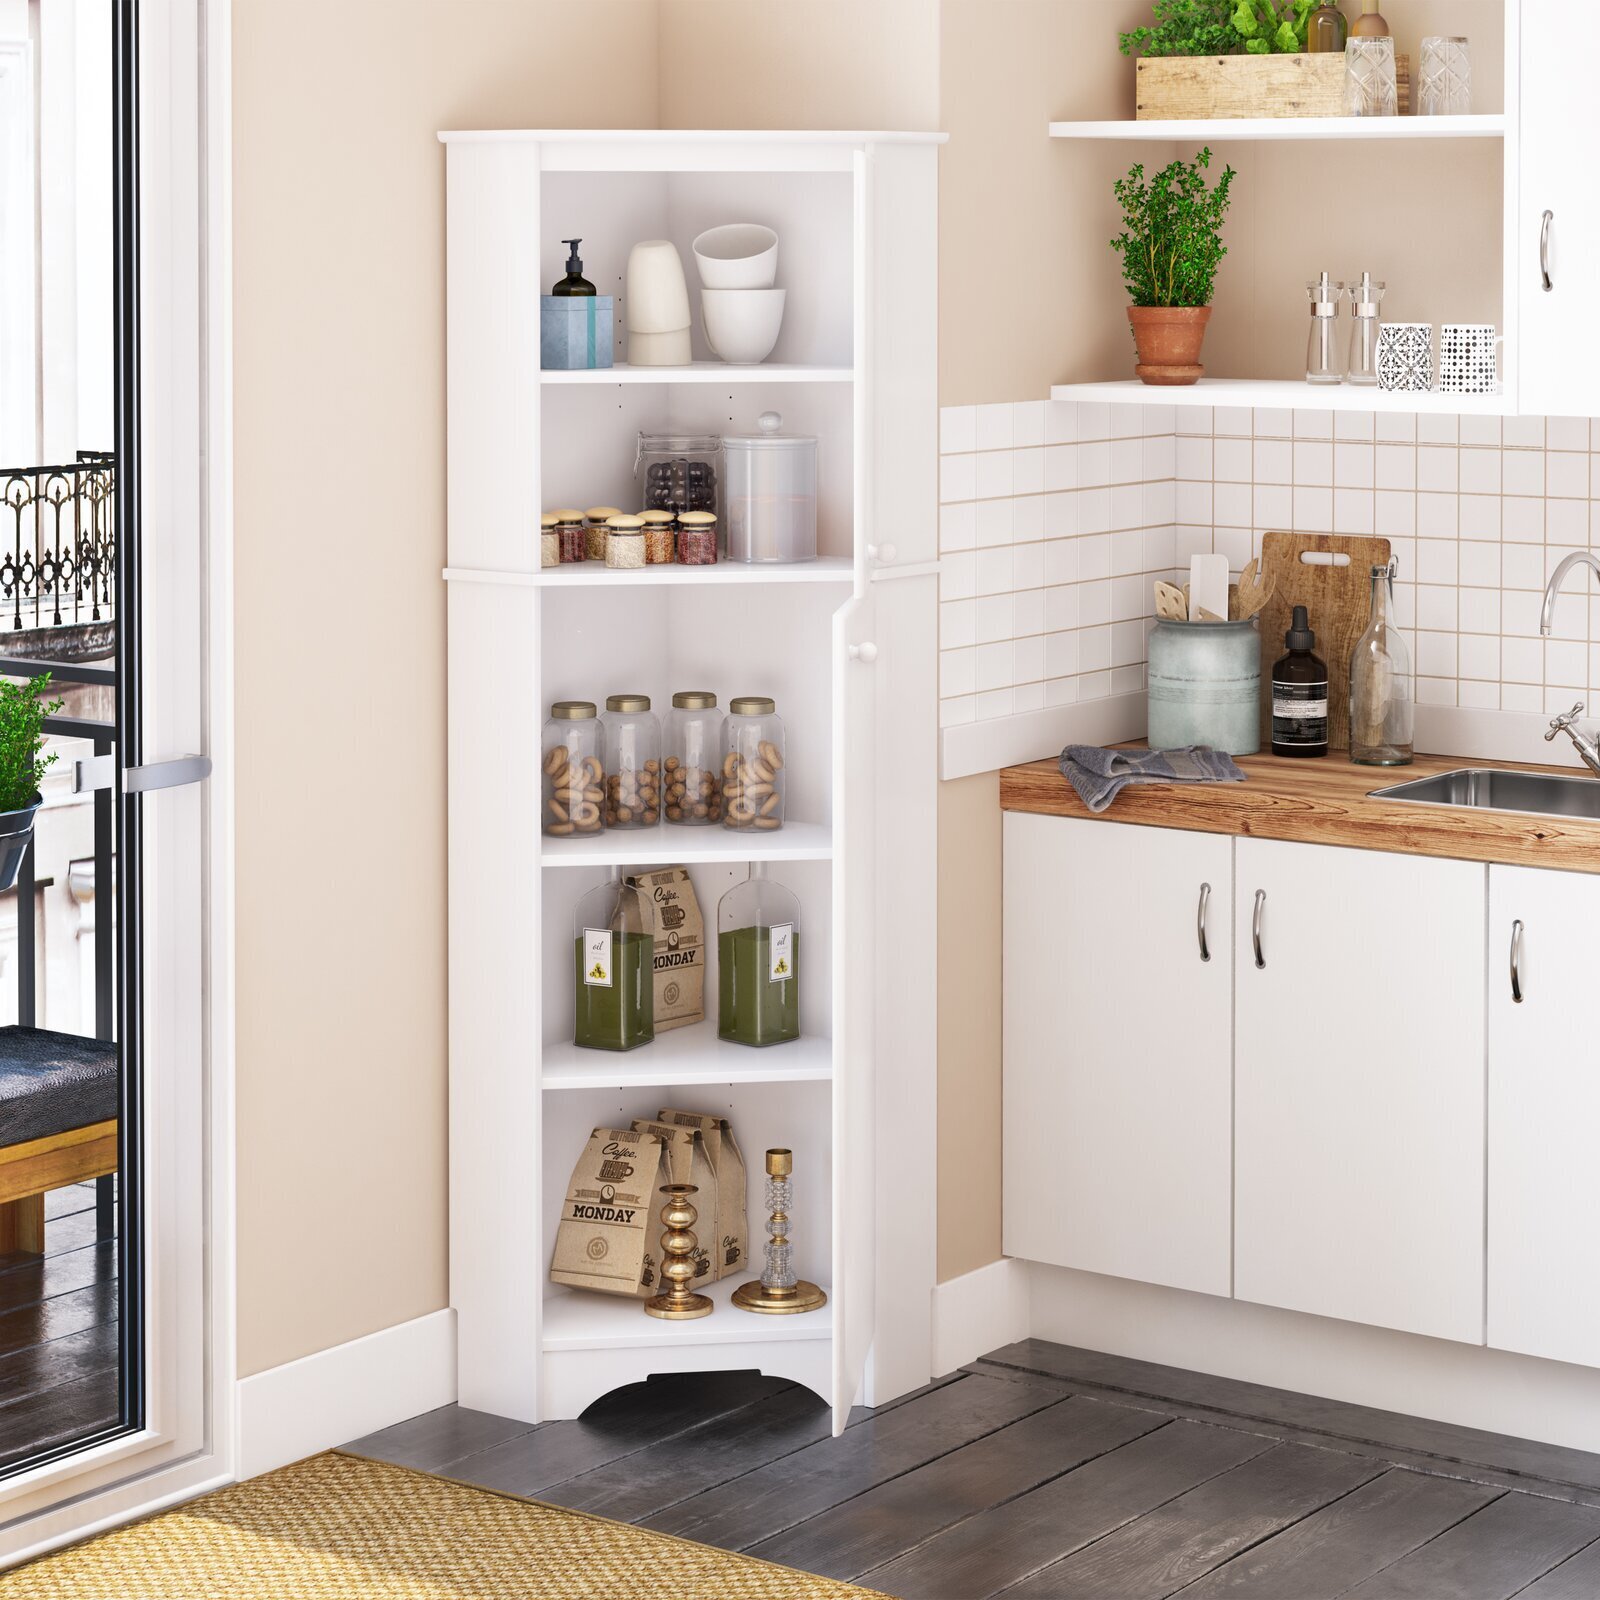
(1405, 356)
(1466, 357)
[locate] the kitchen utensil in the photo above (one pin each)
(770, 493)
(1335, 588)
(1171, 605)
(738, 255)
(1251, 593)
(657, 306)
(742, 324)
(1208, 585)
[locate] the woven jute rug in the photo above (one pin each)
(340, 1526)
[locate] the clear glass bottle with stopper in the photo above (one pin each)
(1365, 298)
(1323, 357)
(1326, 31)
(1382, 705)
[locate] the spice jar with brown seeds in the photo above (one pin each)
(753, 774)
(691, 773)
(595, 535)
(660, 537)
(574, 771)
(633, 762)
(549, 541)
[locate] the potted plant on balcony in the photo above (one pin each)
(1171, 245)
(23, 764)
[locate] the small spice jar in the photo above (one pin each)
(697, 539)
(549, 541)
(633, 762)
(691, 774)
(660, 537)
(571, 537)
(624, 542)
(598, 518)
(574, 771)
(753, 777)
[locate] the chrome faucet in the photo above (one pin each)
(1557, 578)
(1587, 750)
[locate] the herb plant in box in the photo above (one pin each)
(23, 764)
(1171, 245)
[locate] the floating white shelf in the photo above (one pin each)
(1215, 130)
(712, 372)
(672, 845)
(1282, 394)
(685, 1056)
(578, 1321)
(581, 574)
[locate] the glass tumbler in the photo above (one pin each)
(1445, 89)
(1369, 78)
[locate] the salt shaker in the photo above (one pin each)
(1322, 348)
(1365, 298)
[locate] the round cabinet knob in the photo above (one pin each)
(864, 652)
(881, 552)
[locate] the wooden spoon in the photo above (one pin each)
(1171, 604)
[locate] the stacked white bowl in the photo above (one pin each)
(741, 310)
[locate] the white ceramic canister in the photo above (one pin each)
(770, 493)
(1205, 686)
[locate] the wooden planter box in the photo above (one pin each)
(1169, 87)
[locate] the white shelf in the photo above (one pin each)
(712, 372)
(1215, 130)
(1282, 394)
(686, 1056)
(671, 845)
(576, 1320)
(581, 574)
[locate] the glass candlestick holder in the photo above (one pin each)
(778, 1291)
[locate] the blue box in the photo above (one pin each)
(574, 331)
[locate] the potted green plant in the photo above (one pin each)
(23, 764)
(1171, 245)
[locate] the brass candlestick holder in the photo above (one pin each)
(778, 1292)
(678, 1302)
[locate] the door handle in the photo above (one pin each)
(1516, 962)
(100, 772)
(1255, 926)
(1200, 920)
(867, 653)
(1544, 250)
(881, 552)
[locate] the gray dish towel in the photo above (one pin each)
(1100, 776)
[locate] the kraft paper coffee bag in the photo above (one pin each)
(686, 1156)
(609, 1236)
(731, 1248)
(680, 950)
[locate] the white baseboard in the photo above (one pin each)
(327, 1399)
(978, 1312)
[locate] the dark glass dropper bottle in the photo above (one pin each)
(1300, 694)
(574, 283)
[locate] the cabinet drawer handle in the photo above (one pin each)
(1516, 962)
(1200, 921)
(1255, 926)
(1544, 250)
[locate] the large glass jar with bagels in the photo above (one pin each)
(573, 770)
(753, 775)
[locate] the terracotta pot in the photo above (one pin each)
(1168, 340)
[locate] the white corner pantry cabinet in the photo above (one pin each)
(846, 646)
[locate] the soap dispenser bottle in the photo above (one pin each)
(1300, 694)
(574, 283)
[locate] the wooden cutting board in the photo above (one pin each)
(1338, 600)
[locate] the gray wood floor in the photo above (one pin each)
(1043, 1471)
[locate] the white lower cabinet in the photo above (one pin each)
(1117, 1046)
(1544, 1114)
(1359, 1086)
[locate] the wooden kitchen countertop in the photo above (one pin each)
(1326, 802)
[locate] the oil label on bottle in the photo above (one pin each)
(780, 953)
(1300, 713)
(597, 957)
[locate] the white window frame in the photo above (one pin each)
(19, 408)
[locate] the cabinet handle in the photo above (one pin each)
(1200, 921)
(867, 653)
(1544, 250)
(1255, 926)
(1516, 962)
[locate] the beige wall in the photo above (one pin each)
(339, 622)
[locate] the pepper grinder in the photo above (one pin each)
(1365, 298)
(1322, 348)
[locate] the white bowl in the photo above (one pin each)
(742, 324)
(658, 298)
(739, 255)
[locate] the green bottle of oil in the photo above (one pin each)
(758, 960)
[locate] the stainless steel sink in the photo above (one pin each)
(1539, 794)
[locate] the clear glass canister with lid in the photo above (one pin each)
(574, 769)
(680, 471)
(597, 518)
(753, 774)
(697, 539)
(549, 541)
(614, 967)
(633, 762)
(692, 769)
(770, 500)
(758, 961)
(660, 537)
(624, 542)
(571, 536)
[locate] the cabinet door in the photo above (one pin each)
(1560, 126)
(1359, 1086)
(1117, 1142)
(1544, 1110)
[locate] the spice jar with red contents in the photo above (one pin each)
(753, 775)
(697, 539)
(571, 536)
(660, 537)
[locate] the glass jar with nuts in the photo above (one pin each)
(633, 762)
(753, 777)
(574, 772)
(692, 770)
